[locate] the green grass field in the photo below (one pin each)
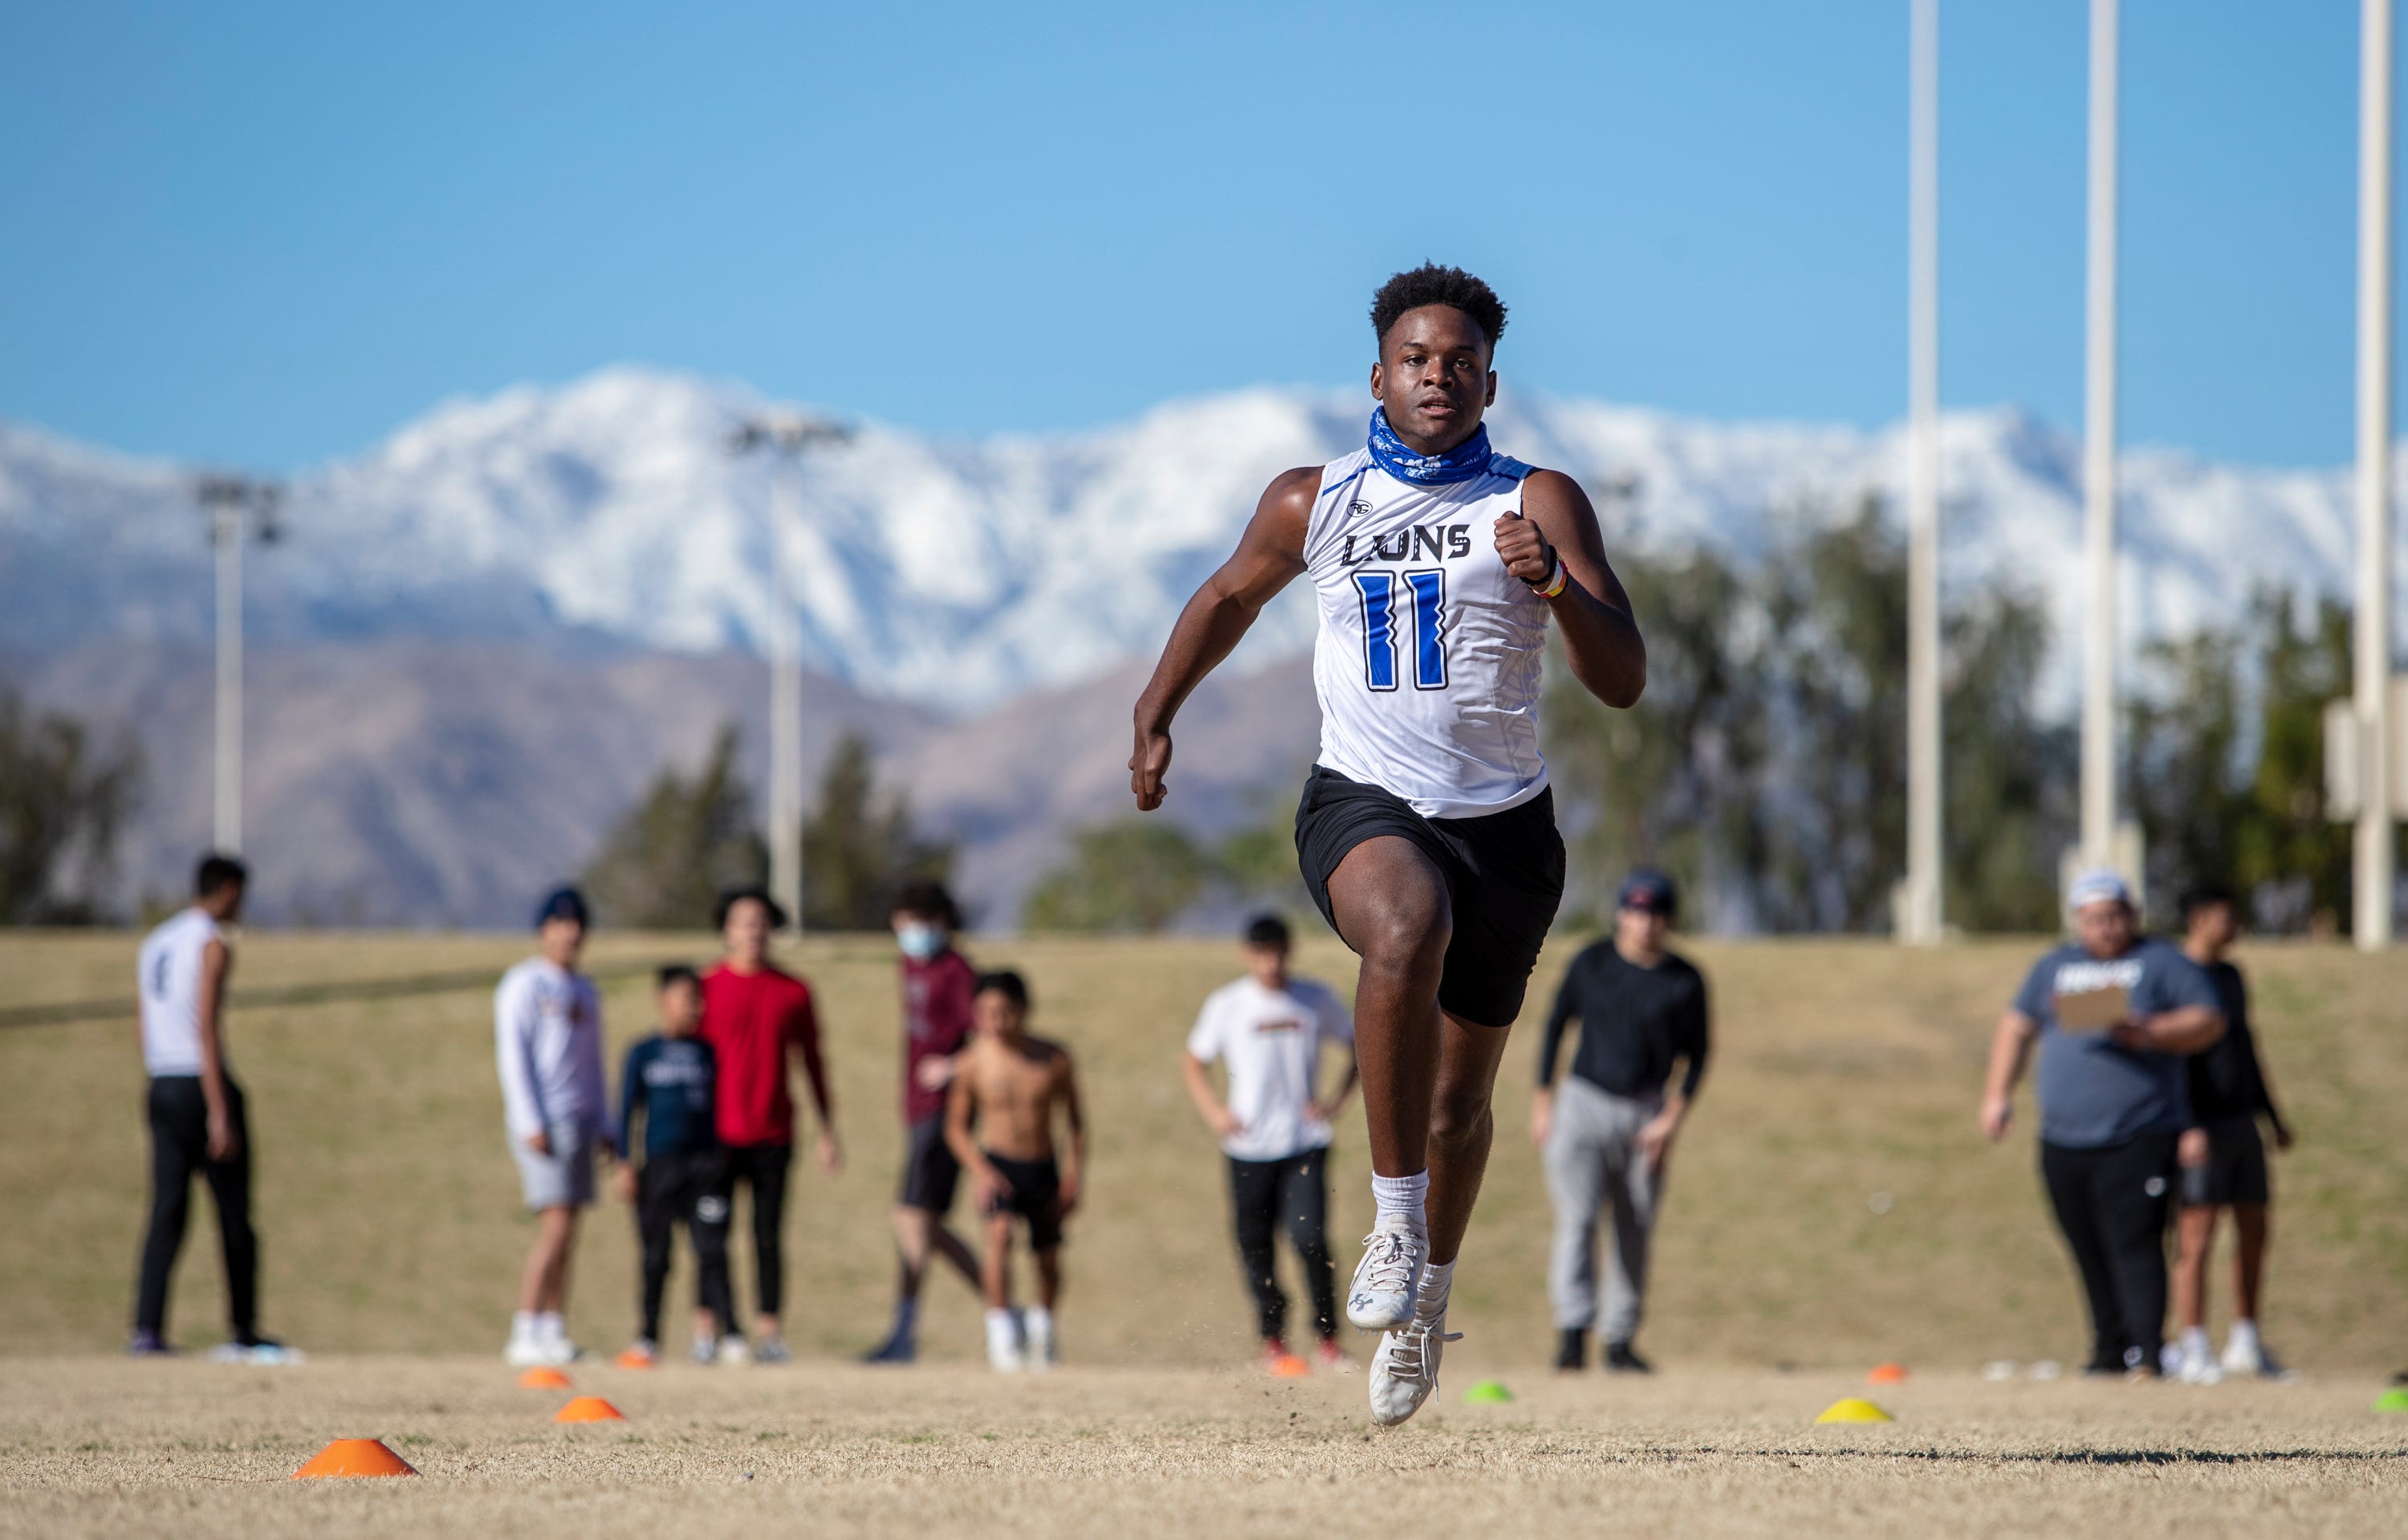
(390, 1222)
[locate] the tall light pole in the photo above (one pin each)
(239, 508)
(2099, 455)
(786, 434)
(1921, 921)
(2373, 867)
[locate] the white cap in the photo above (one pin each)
(2097, 885)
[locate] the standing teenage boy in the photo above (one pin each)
(669, 1086)
(1007, 1087)
(756, 1017)
(1608, 1131)
(1269, 1028)
(2228, 1093)
(938, 981)
(197, 1112)
(547, 1046)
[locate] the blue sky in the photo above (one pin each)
(269, 234)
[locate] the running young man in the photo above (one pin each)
(938, 983)
(1427, 831)
(197, 1126)
(756, 1016)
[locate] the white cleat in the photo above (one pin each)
(527, 1353)
(1404, 1369)
(1004, 1353)
(2245, 1357)
(1388, 1278)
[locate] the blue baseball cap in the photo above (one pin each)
(2097, 885)
(1650, 892)
(563, 903)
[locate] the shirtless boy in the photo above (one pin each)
(1009, 1085)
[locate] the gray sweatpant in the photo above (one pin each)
(1593, 1164)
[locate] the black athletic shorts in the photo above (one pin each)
(930, 1172)
(1034, 1192)
(2235, 1172)
(1504, 876)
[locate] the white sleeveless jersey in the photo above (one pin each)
(170, 979)
(1428, 663)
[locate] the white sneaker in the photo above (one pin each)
(1388, 1278)
(1004, 1354)
(734, 1352)
(2242, 1353)
(1037, 1327)
(527, 1353)
(1404, 1369)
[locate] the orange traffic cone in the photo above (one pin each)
(543, 1379)
(1886, 1374)
(354, 1456)
(588, 1409)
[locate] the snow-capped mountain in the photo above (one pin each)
(958, 573)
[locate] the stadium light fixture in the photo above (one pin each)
(2372, 870)
(1919, 918)
(785, 435)
(240, 509)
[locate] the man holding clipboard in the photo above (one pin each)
(2114, 1014)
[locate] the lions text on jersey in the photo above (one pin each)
(1428, 663)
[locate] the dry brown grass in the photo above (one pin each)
(391, 1223)
(91, 1447)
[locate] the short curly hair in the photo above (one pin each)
(1432, 285)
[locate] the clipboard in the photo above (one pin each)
(2093, 1010)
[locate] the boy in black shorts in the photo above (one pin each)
(2222, 1158)
(670, 1080)
(1010, 1084)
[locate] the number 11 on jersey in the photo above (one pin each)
(1378, 593)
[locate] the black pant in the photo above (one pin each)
(180, 1148)
(2111, 1204)
(1264, 1195)
(683, 1188)
(763, 1167)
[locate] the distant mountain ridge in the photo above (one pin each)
(958, 573)
(485, 635)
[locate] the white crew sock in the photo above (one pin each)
(522, 1326)
(2243, 1330)
(1038, 1322)
(549, 1327)
(1438, 1281)
(1402, 1198)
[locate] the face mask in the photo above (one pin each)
(919, 941)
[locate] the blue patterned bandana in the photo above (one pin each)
(1463, 462)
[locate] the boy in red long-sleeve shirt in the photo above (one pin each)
(755, 1017)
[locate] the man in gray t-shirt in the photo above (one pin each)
(2113, 1101)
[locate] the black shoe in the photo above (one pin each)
(1622, 1361)
(1571, 1350)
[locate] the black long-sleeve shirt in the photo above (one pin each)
(2226, 1080)
(1635, 1022)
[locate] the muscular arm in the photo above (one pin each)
(1268, 557)
(217, 961)
(1600, 636)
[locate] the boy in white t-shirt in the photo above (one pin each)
(1268, 1030)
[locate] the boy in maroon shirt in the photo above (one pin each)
(754, 1016)
(937, 983)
